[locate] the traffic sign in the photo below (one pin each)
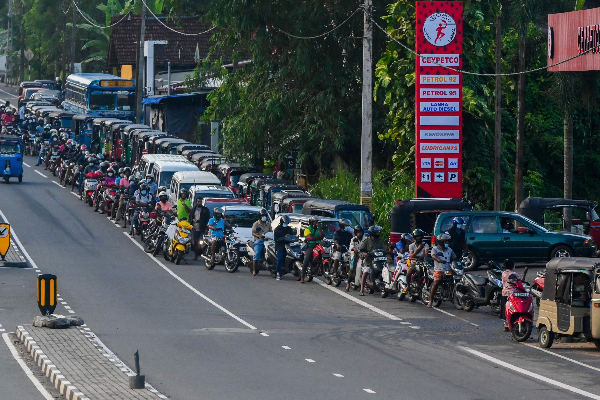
(28, 54)
(4, 239)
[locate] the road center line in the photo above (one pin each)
(25, 369)
(530, 374)
(357, 301)
(39, 173)
(193, 289)
(561, 356)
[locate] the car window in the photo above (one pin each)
(512, 225)
(484, 224)
(447, 222)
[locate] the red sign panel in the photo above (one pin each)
(438, 122)
(573, 33)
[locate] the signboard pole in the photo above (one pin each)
(438, 99)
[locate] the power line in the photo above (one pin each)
(478, 73)
(93, 23)
(174, 30)
(318, 36)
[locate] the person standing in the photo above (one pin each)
(259, 229)
(199, 219)
(184, 206)
(341, 242)
(313, 236)
(417, 251)
(374, 242)
(458, 241)
(281, 232)
(355, 263)
(508, 286)
(442, 256)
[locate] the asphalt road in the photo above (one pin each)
(215, 335)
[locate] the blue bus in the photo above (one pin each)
(103, 95)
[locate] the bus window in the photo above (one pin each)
(126, 102)
(102, 101)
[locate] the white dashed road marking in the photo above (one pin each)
(286, 347)
(561, 356)
(338, 375)
(264, 334)
(27, 165)
(369, 391)
(310, 360)
(39, 173)
(57, 184)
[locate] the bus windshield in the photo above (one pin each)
(126, 102)
(102, 101)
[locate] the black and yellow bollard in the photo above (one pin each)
(46, 293)
(4, 239)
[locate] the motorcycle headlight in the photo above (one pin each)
(184, 233)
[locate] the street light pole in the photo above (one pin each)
(8, 41)
(73, 30)
(139, 84)
(366, 152)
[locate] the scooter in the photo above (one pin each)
(417, 281)
(179, 235)
(474, 291)
(519, 311)
(293, 250)
(538, 287)
(445, 291)
(374, 279)
(90, 185)
(393, 274)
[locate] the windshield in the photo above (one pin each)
(165, 178)
(297, 208)
(212, 204)
(533, 224)
(356, 217)
(126, 102)
(329, 228)
(220, 194)
(234, 177)
(102, 101)
(241, 218)
(10, 148)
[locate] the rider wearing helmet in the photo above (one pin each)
(217, 225)
(355, 263)
(142, 199)
(104, 165)
(259, 229)
(458, 241)
(199, 217)
(184, 206)
(313, 235)
(110, 177)
(154, 187)
(282, 231)
(416, 251)
(442, 256)
(374, 242)
(402, 246)
(341, 242)
(163, 203)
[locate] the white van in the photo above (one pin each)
(210, 191)
(184, 180)
(163, 171)
(147, 162)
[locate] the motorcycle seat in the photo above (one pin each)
(478, 280)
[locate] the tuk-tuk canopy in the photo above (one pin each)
(199, 156)
(289, 200)
(61, 114)
(99, 120)
(191, 146)
(83, 117)
(533, 207)
(566, 265)
(401, 221)
(332, 205)
(131, 127)
(251, 175)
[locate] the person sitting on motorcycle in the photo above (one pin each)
(283, 230)
(355, 262)
(442, 256)
(313, 235)
(217, 225)
(259, 229)
(199, 217)
(110, 177)
(184, 206)
(402, 246)
(509, 278)
(163, 204)
(458, 240)
(341, 243)
(8, 118)
(374, 242)
(416, 251)
(142, 199)
(153, 186)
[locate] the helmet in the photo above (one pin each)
(114, 166)
(285, 220)
(458, 221)
(182, 192)
(407, 236)
(120, 172)
(162, 189)
(127, 171)
(217, 211)
(444, 237)
(149, 176)
(162, 193)
(143, 187)
(110, 172)
(100, 157)
(52, 131)
(83, 147)
(104, 165)
(418, 232)
(344, 223)
(375, 231)
(358, 228)
(262, 212)
(312, 221)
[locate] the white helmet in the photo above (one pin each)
(53, 132)
(163, 193)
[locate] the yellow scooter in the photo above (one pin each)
(178, 244)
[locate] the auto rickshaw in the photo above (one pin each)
(83, 128)
(11, 158)
(570, 303)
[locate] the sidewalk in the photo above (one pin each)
(13, 258)
(80, 366)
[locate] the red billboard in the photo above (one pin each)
(438, 151)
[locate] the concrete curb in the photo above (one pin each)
(65, 387)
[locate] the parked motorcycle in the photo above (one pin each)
(538, 287)
(179, 239)
(90, 185)
(220, 249)
(474, 290)
(519, 311)
(446, 290)
(320, 262)
(394, 276)
(374, 279)
(157, 235)
(293, 250)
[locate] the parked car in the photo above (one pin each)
(242, 217)
(185, 179)
(496, 235)
(210, 191)
(211, 203)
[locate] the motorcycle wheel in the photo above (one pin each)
(401, 296)
(369, 284)
(125, 221)
(327, 277)
(166, 252)
(298, 270)
(149, 246)
(308, 278)
(522, 334)
(457, 303)
(20, 178)
(6, 179)
(273, 273)
(384, 294)
(495, 301)
(469, 305)
(232, 261)
(157, 247)
(336, 281)
(90, 202)
(178, 257)
(425, 297)
(143, 235)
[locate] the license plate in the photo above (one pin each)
(521, 294)
(380, 258)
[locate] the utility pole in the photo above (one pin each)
(73, 30)
(139, 83)
(8, 41)
(366, 148)
(22, 59)
(498, 125)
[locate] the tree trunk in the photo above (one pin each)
(498, 125)
(520, 145)
(568, 166)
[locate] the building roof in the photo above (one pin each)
(124, 39)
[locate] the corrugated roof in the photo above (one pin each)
(180, 51)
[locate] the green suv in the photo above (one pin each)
(496, 235)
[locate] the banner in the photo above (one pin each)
(438, 102)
